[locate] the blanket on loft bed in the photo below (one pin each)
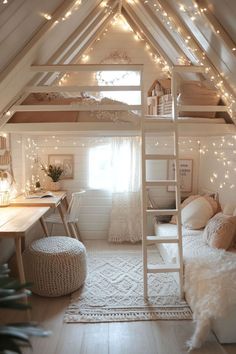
(125, 116)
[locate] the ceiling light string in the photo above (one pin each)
(216, 78)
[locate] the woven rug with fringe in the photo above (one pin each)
(113, 291)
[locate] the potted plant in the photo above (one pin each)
(54, 172)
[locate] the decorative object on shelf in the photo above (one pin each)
(63, 162)
(159, 99)
(6, 182)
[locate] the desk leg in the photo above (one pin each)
(63, 220)
(19, 260)
(21, 271)
(65, 200)
(44, 226)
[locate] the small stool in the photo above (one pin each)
(55, 265)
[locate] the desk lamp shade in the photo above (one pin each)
(5, 187)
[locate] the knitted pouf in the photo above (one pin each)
(55, 265)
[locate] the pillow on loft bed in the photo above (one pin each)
(190, 201)
(196, 93)
(220, 231)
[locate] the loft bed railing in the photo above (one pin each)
(186, 128)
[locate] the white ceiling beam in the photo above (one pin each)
(135, 23)
(63, 53)
(179, 23)
(34, 42)
(145, 23)
(189, 69)
(64, 68)
(212, 57)
(164, 31)
(12, 82)
(216, 24)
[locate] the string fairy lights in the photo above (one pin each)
(194, 12)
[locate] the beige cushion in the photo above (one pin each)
(214, 204)
(195, 93)
(197, 213)
(185, 202)
(220, 231)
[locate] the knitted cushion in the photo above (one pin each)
(55, 265)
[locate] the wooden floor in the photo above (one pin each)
(147, 337)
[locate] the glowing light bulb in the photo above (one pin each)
(47, 16)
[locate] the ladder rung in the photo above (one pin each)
(159, 157)
(167, 182)
(163, 268)
(163, 211)
(167, 239)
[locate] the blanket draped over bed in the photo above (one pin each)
(211, 286)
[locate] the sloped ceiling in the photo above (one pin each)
(199, 32)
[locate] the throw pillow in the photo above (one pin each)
(220, 231)
(197, 213)
(185, 202)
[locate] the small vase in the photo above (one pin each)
(55, 186)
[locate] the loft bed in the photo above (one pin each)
(46, 109)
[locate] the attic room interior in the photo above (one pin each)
(118, 176)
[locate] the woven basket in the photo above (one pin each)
(55, 265)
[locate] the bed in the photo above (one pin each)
(210, 281)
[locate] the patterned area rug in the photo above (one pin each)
(114, 287)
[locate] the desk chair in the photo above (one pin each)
(71, 215)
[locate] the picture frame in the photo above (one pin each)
(66, 161)
(185, 173)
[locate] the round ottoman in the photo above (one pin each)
(55, 265)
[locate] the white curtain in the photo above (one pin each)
(125, 218)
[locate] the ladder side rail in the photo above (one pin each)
(143, 192)
(177, 177)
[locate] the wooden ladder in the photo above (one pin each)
(151, 125)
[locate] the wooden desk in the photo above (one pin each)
(52, 202)
(14, 223)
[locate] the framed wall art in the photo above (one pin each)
(185, 174)
(65, 161)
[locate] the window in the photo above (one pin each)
(120, 78)
(100, 167)
(115, 166)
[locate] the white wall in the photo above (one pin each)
(218, 167)
(94, 218)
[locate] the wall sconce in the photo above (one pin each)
(5, 187)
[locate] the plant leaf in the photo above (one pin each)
(8, 345)
(12, 332)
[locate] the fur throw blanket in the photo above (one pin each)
(211, 286)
